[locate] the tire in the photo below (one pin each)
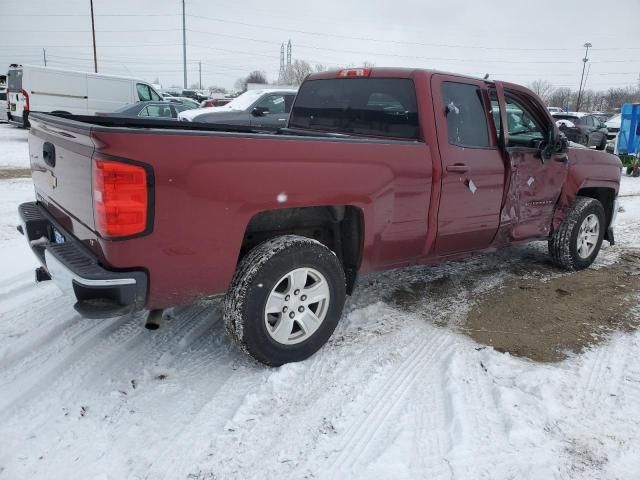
(270, 276)
(603, 144)
(565, 246)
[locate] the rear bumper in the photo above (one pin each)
(99, 293)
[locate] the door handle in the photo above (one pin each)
(457, 168)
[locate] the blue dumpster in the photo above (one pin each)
(629, 136)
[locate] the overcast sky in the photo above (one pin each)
(513, 40)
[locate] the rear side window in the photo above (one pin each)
(3, 95)
(382, 107)
(466, 118)
(14, 80)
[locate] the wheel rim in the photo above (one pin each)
(297, 306)
(588, 236)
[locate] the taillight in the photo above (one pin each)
(26, 100)
(120, 198)
(354, 72)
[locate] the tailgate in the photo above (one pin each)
(60, 152)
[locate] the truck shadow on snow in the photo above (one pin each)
(515, 301)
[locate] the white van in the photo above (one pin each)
(52, 90)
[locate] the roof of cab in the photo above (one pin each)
(387, 72)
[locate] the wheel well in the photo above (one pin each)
(339, 227)
(606, 196)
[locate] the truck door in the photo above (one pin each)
(533, 181)
(472, 166)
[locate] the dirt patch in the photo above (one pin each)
(9, 173)
(545, 318)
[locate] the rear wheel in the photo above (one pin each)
(575, 245)
(285, 299)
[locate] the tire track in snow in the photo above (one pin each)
(75, 383)
(474, 419)
(145, 348)
(88, 345)
(362, 432)
(60, 327)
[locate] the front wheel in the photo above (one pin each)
(575, 245)
(285, 299)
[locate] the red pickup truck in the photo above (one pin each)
(377, 169)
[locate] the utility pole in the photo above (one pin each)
(200, 73)
(44, 56)
(282, 74)
(584, 64)
(184, 45)
(93, 33)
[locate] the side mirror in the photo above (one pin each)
(547, 148)
(259, 111)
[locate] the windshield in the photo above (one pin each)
(14, 80)
(571, 118)
(244, 101)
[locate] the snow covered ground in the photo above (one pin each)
(395, 394)
(13, 147)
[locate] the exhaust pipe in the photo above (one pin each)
(153, 319)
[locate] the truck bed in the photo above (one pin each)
(207, 182)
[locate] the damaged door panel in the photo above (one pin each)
(536, 172)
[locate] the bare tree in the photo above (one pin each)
(560, 97)
(216, 89)
(542, 88)
(254, 77)
(298, 72)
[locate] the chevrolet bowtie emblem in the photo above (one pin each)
(51, 178)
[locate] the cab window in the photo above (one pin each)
(154, 95)
(161, 111)
(466, 118)
(273, 103)
(523, 128)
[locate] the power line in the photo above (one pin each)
(85, 15)
(371, 39)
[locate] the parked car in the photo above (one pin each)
(3, 104)
(582, 128)
(555, 109)
(613, 126)
(215, 102)
(260, 108)
(160, 109)
(194, 95)
(377, 169)
(184, 101)
(53, 90)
